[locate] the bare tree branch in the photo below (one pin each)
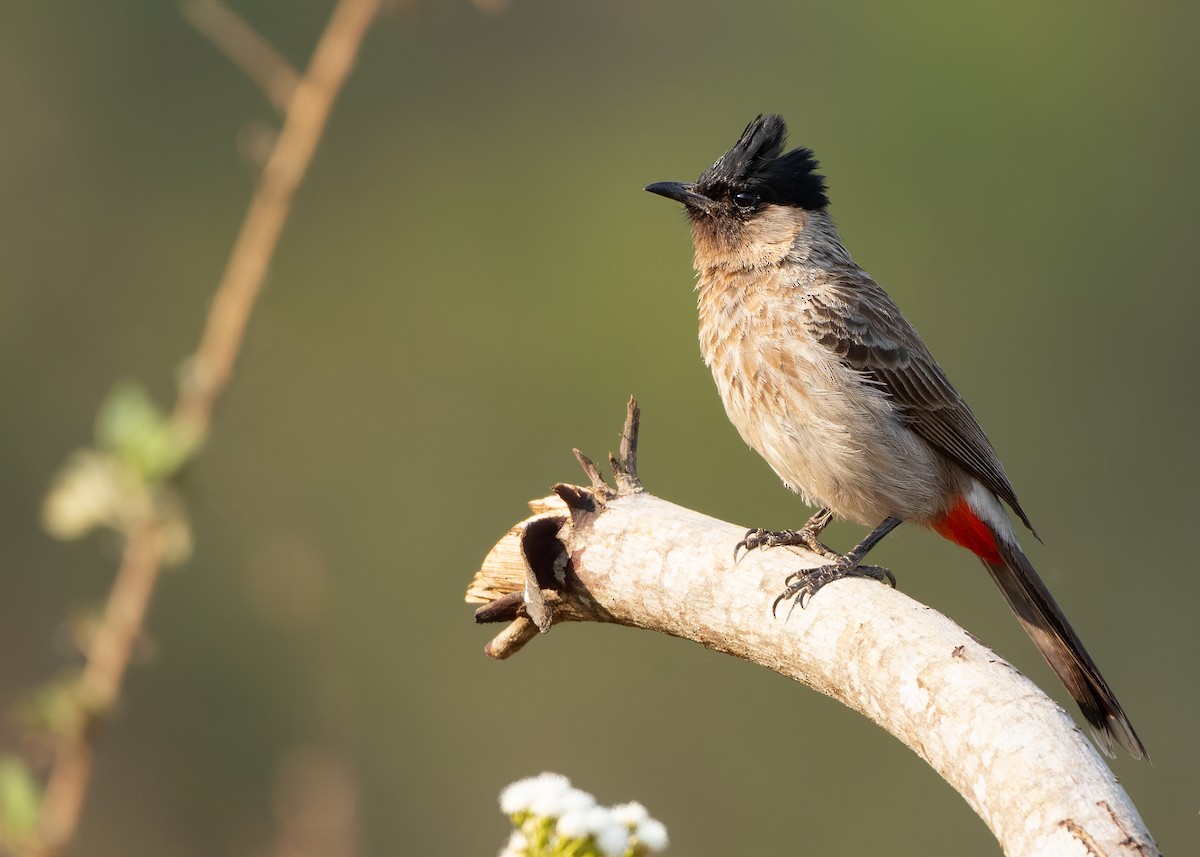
(245, 48)
(107, 659)
(307, 110)
(630, 558)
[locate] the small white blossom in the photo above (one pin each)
(630, 814)
(652, 833)
(573, 824)
(516, 845)
(515, 797)
(550, 810)
(534, 794)
(549, 791)
(576, 799)
(581, 823)
(612, 838)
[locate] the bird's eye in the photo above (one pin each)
(745, 199)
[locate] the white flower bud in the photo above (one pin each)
(652, 833)
(516, 796)
(613, 838)
(630, 814)
(548, 793)
(517, 843)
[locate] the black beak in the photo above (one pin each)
(685, 193)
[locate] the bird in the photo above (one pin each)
(824, 377)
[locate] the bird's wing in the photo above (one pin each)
(857, 320)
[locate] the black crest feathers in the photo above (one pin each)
(756, 163)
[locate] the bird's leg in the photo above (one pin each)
(806, 536)
(801, 586)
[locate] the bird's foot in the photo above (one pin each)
(805, 537)
(801, 586)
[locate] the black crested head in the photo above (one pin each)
(756, 165)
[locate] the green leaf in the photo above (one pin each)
(133, 428)
(20, 800)
(53, 707)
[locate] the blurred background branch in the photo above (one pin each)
(145, 451)
(304, 120)
(248, 50)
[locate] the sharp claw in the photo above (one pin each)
(749, 543)
(799, 599)
(802, 585)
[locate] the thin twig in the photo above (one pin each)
(624, 465)
(108, 657)
(245, 48)
(593, 473)
(306, 115)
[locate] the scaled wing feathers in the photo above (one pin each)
(858, 321)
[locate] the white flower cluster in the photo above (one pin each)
(552, 817)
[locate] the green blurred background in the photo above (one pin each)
(472, 283)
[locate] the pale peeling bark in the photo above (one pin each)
(627, 557)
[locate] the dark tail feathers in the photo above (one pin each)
(1060, 646)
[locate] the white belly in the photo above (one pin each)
(832, 438)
